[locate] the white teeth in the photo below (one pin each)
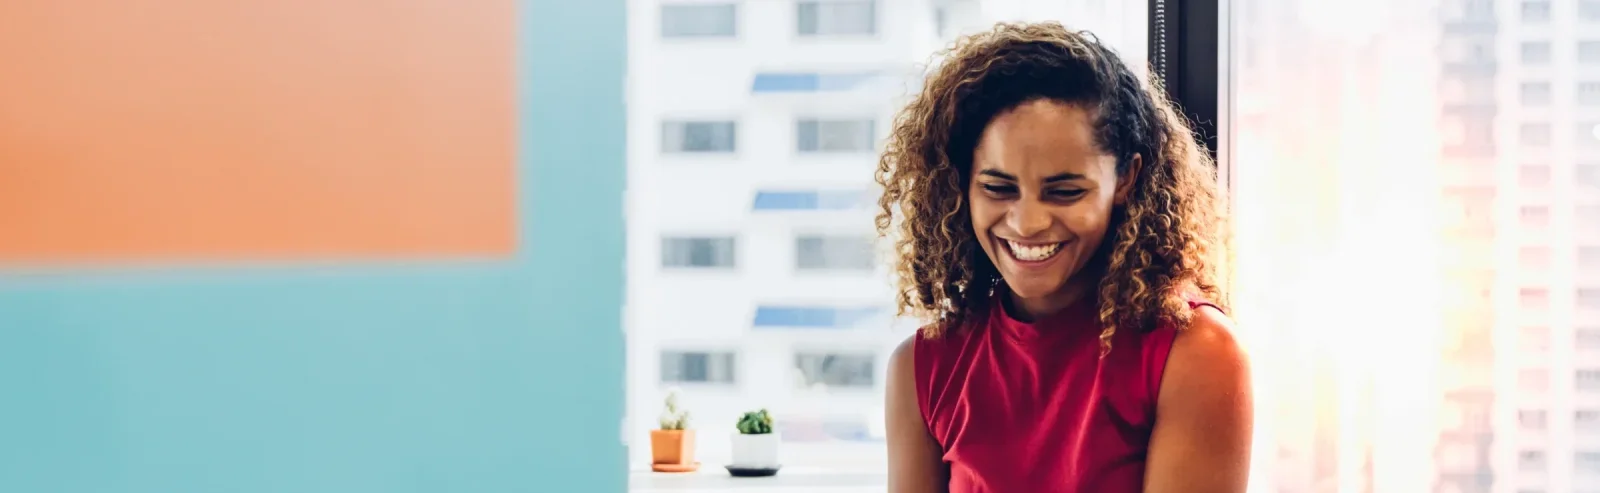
(1033, 253)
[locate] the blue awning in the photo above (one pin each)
(811, 200)
(812, 317)
(808, 82)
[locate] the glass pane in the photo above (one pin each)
(1367, 170)
(770, 120)
(699, 20)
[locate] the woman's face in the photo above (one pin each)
(1042, 194)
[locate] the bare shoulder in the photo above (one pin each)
(1208, 345)
(1207, 366)
(902, 362)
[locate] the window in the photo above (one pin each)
(1534, 339)
(1533, 380)
(1588, 298)
(1587, 338)
(1535, 52)
(698, 136)
(836, 17)
(1587, 175)
(1589, 93)
(1534, 257)
(829, 200)
(1531, 419)
(812, 135)
(816, 252)
(1589, 258)
(1589, 10)
(1534, 216)
(698, 367)
(1534, 299)
(1531, 461)
(829, 370)
(1534, 175)
(1587, 380)
(699, 20)
(1535, 93)
(1535, 11)
(1588, 52)
(1586, 462)
(1586, 420)
(698, 252)
(1535, 134)
(1587, 215)
(1587, 135)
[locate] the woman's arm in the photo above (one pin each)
(916, 463)
(1201, 442)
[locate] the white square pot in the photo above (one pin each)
(755, 450)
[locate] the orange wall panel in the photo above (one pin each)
(265, 129)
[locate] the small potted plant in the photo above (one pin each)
(755, 447)
(672, 446)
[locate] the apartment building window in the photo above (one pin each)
(1535, 93)
(689, 136)
(1531, 461)
(1589, 93)
(1534, 257)
(1534, 134)
(698, 252)
(1588, 298)
(834, 252)
(699, 20)
(1586, 380)
(1535, 11)
(1534, 299)
(1587, 338)
(1587, 175)
(1531, 419)
(1589, 10)
(1587, 215)
(830, 370)
(852, 135)
(1534, 216)
(1534, 175)
(836, 17)
(1535, 52)
(1533, 380)
(708, 367)
(1589, 52)
(1586, 420)
(1534, 339)
(1589, 258)
(1586, 462)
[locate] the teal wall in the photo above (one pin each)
(466, 376)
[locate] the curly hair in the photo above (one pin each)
(1165, 243)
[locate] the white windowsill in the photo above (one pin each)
(714, 478)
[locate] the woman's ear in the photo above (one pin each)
(1127, 180)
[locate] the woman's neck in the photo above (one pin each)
(1073, 291)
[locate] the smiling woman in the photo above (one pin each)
(1058, 224)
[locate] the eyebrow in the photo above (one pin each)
(1050, 179)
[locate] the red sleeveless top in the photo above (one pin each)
(1031, 407)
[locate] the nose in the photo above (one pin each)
(1028, 218)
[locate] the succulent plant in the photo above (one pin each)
(755, 423)
(673, 417)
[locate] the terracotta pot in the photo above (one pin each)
(672, 446)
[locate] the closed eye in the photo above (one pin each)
(999, 189)
(1068, 194)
